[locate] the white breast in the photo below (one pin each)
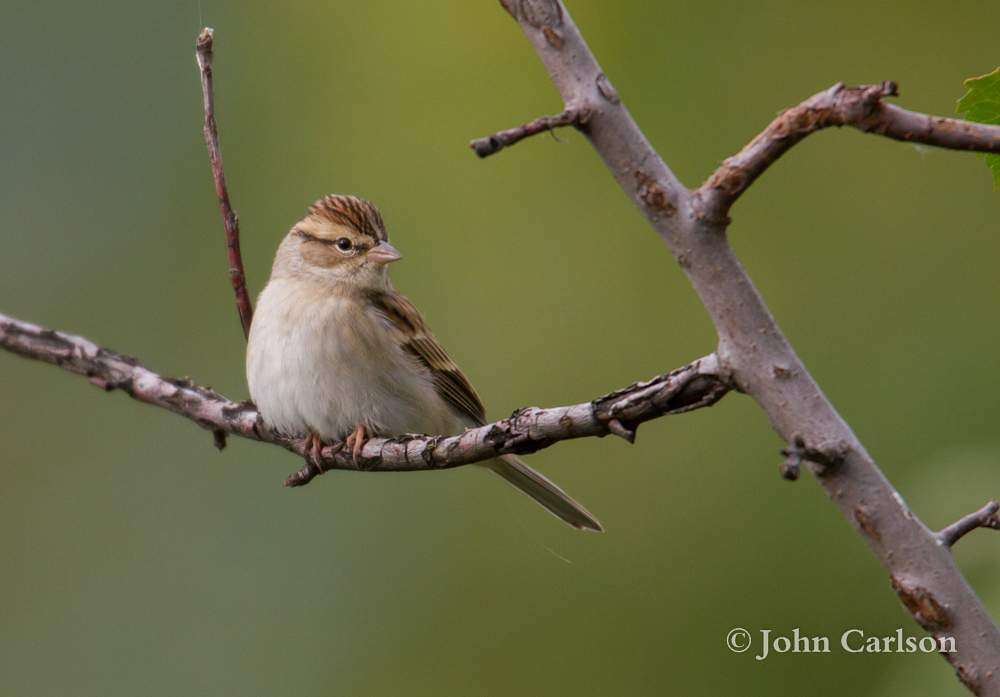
(321, 362)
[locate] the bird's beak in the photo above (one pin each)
(383, 253)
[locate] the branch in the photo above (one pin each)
(752, 347)
(230, 220)
(571, 116)
(861, 107)
(986, 517)
(699, 384)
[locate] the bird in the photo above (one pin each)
(336, 352)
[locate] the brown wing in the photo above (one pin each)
(418, 341)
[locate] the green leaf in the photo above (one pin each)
(983, 104)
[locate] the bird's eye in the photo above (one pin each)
(343, 244)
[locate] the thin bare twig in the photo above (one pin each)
(752, 346)
(229, 218)
(571, 116)
(699, 384)
(986, 517)
(861, 107)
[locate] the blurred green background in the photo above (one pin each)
(135, 559)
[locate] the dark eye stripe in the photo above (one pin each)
(322, 240)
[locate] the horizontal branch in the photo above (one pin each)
(861, 107)
(699, 384)
(986, 517)
(571, 116)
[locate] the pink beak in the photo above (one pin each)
(384, 253)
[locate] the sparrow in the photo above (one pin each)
(337, 352)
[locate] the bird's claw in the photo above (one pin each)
(314, 448)
(313, 455)
(356, 441)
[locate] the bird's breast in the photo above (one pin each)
(319, 361)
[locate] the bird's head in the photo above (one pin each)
(341, 240)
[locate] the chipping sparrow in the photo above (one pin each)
(336, 351)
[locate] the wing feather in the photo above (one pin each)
(416, 339)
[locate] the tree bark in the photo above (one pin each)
(751, 346)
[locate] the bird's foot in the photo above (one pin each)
(313, 455)
(314, 448)
(356, 441)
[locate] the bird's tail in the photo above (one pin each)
(551, 497)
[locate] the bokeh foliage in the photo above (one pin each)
(135, 559)
(982, 104)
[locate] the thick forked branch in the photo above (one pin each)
(229, 218)
(861, 107)
(754, 350)
(699, 384)
(985, 517)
